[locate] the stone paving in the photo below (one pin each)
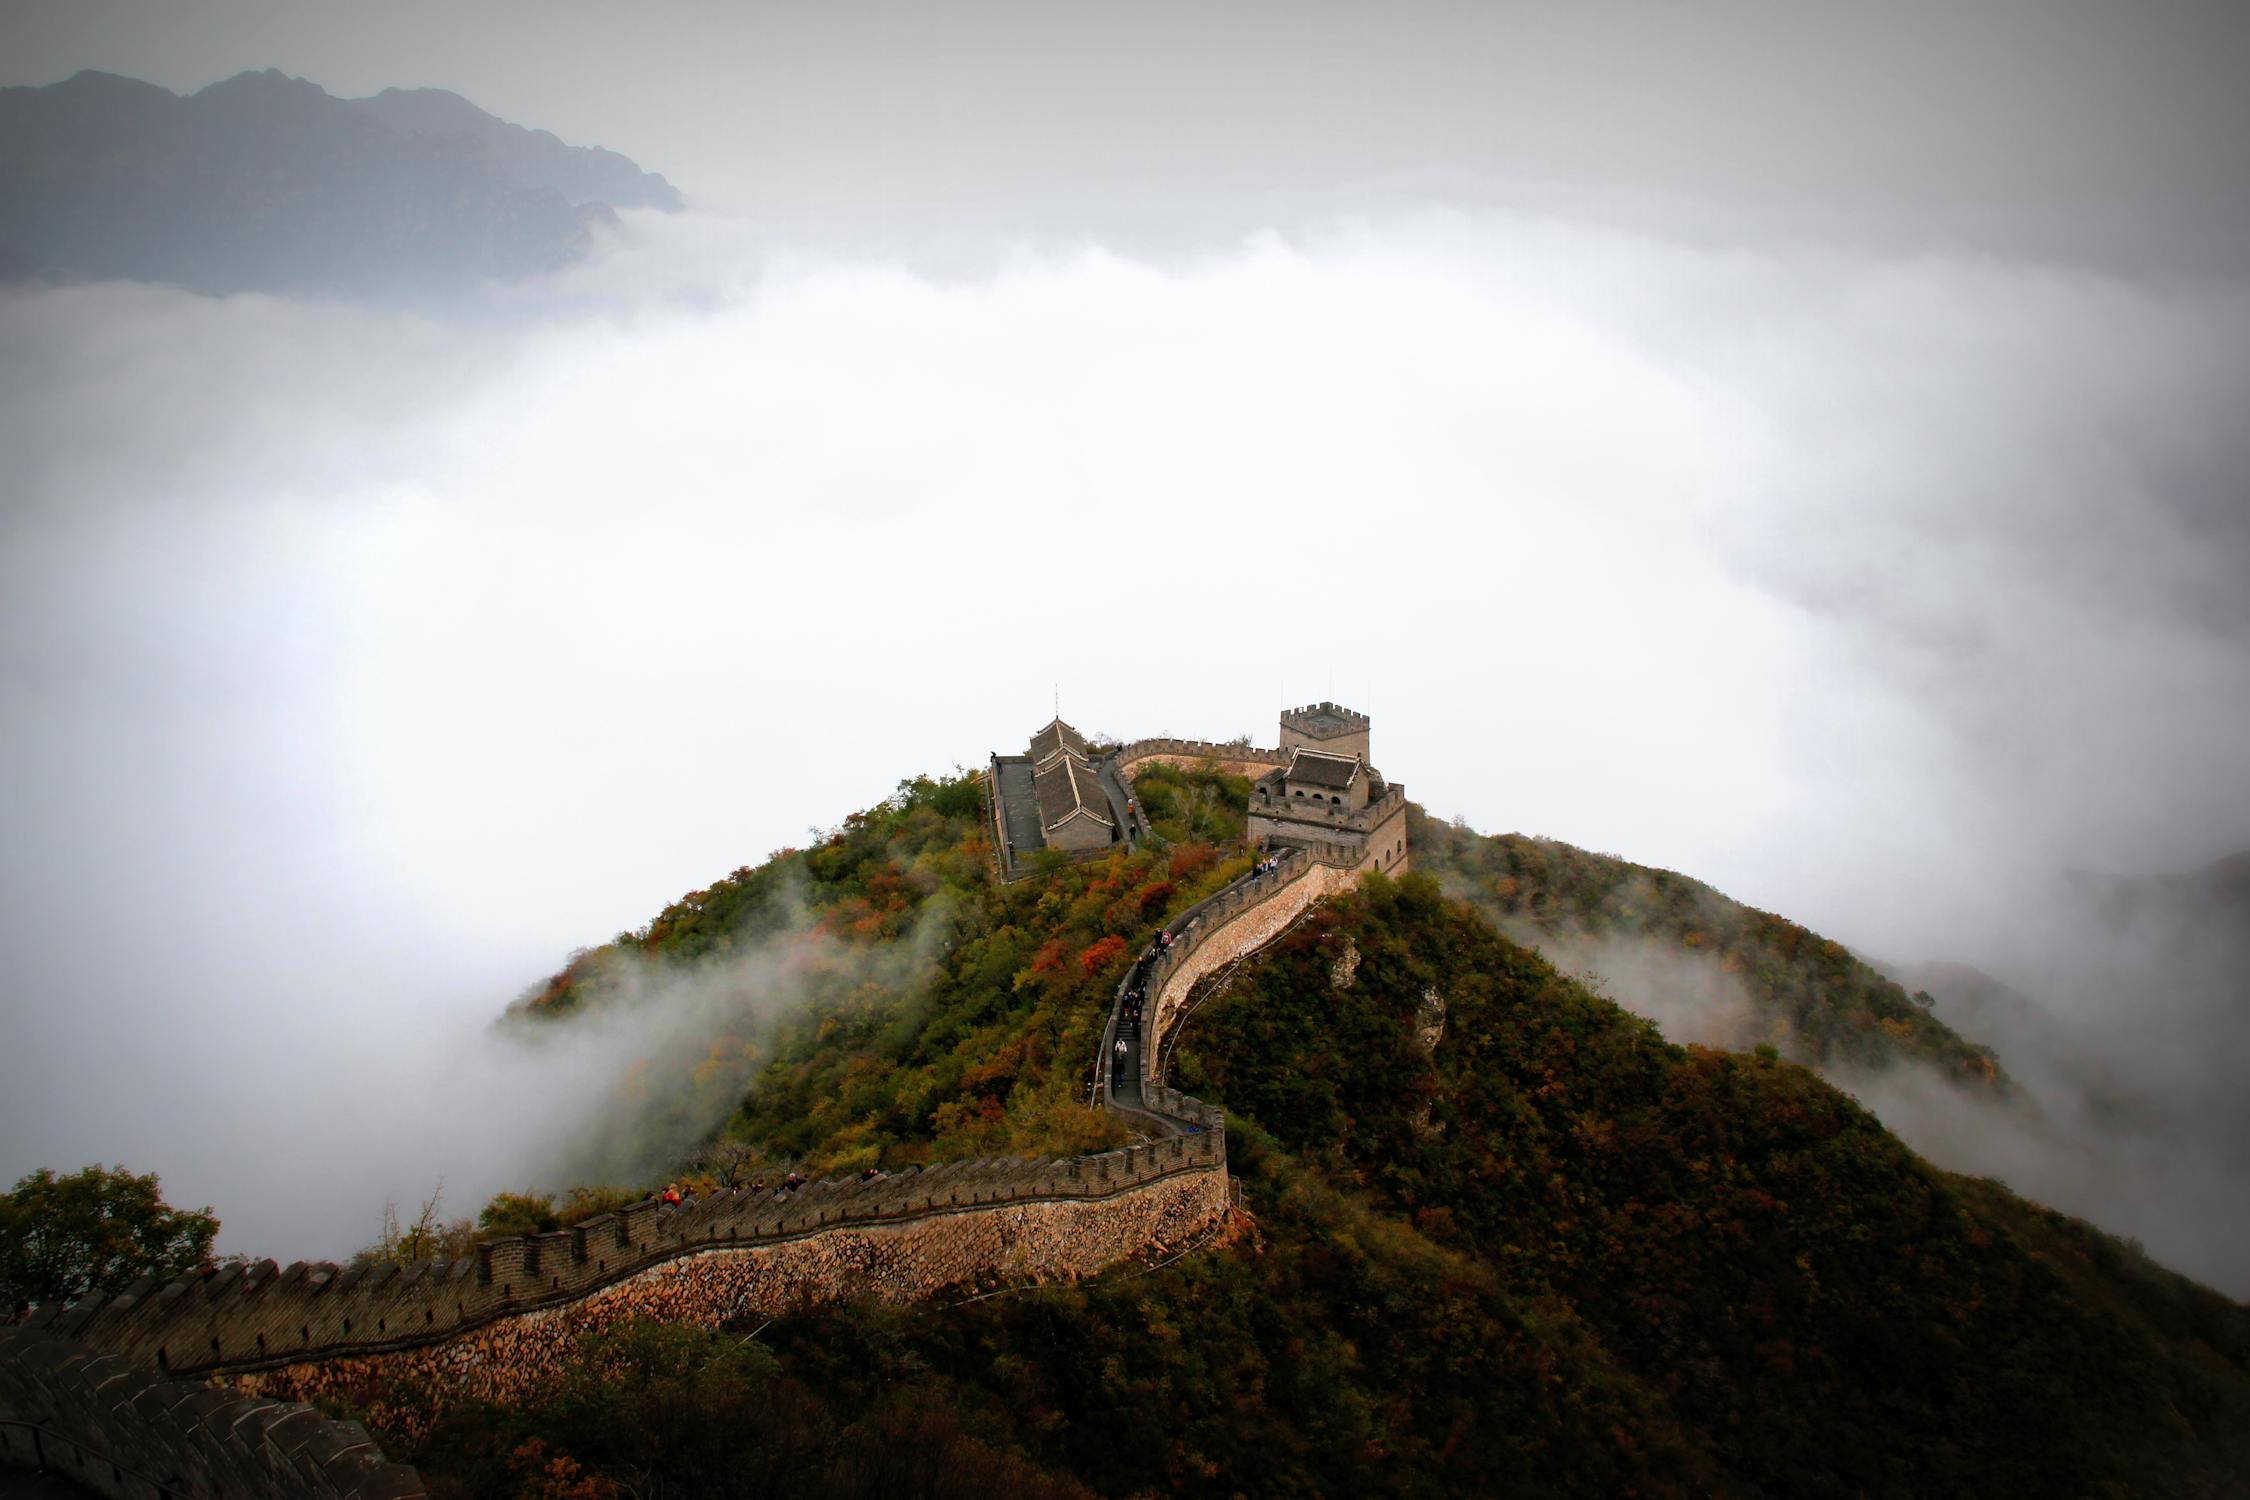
(1018, 799)
(1124, 808)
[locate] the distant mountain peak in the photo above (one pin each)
(582, 174)
(263, 81)
(266, 182)
(88, 79)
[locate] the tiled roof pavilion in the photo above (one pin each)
(1314, 768)
(1067, 788)
(1053, 739)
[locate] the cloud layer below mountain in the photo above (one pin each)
(358, 665)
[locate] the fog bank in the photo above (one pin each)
(357, 666)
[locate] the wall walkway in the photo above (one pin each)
(1241, 760)
(1234, 922)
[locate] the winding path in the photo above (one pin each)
(1238, 919)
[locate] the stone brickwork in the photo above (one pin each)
(128, 1432)
(1015, 1243)
(1386, 840)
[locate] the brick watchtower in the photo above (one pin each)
(1325, 727)
(1328, 792)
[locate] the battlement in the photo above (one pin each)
(1324, 720)
(1322, 816)
(1326, 727)
(1170, 751)
(255, 1316)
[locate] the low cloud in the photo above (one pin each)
(1691, 999)
(2125, 1059)
(2178, 1193)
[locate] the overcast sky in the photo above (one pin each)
(1804, 454)
(2046, 126)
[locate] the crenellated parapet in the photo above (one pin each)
(1328, 726)
(1316, 816)
(247, 1317)
(1242, 759)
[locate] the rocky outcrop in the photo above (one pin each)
(1345, 970)
(1429, 1023)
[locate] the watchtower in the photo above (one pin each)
(1328, 792)
(1325, 727)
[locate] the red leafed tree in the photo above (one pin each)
(1100, 953)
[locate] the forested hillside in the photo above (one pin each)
(1832, 1314)
(1711, 968)
(1500, 1235)
(935, 1013)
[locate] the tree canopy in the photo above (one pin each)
(95, 1231)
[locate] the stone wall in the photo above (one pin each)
(995, 818)
(902, 1262)
(1318, 820)
(128, 1432)
(1241, 760)
(258, 1316)
(1216, 931)
(1386, 842)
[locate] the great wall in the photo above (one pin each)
(110, 1391)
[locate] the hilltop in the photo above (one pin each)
(267, 183)
(1498, 1234)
